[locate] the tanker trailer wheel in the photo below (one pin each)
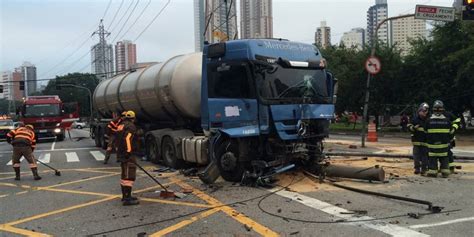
(97, 137)
(227, 155)
(151, 149)
(169, 154)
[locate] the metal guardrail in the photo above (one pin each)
(407, 156)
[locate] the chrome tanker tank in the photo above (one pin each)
(162, 91)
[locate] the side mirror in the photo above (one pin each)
(331, 83)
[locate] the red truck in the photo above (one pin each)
(49, 115)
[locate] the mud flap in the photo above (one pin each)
(210, 174)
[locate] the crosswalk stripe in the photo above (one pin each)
(97, 155)
(72, 157)
(11, 162)
(45, 157)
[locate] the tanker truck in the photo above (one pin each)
(243, 106)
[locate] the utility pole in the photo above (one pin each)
(103, 44)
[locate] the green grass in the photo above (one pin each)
(344, 127)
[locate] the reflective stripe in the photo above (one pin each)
(421, 129)
(433, 154)
(417, 143)
(33, 165)
(16, 165)
(438, 130)
(129, 142)
(128, 183)
(458, 120)
(455, 126)
(438, 146)
(432, 172)
(452, 164)
(445, 171)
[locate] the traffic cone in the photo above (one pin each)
(372, 133)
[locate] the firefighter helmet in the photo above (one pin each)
(423, 106)
(29, 126)
(438, 106)
(130, 114)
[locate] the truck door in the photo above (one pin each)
(232, 101)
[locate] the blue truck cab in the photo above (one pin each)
(264, 103)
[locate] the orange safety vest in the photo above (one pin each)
(22, 135)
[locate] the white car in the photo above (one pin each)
(78, 125)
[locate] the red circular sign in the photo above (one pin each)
(373, 65)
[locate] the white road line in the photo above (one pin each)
(97, 155)
(72, 157)
(11, 162)
(393, 230)
(62, 149)
(52, 146)
(45, 157)
(442, 223)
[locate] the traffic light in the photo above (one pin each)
(22, 85)
(468, 10)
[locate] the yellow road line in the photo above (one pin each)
(185, 223)
(9, 185)
(6, 195)
(80, 192)
(21, 231)
(262, 230)
(60, 211)
(78, 181)
(191, 204)
(19, 193)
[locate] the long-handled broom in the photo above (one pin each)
(164, 193)
(56, 172)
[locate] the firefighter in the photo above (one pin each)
(438, 130)
(112, 134)
(455, 125)
(23, 141)
(418, 139)
(127, 148)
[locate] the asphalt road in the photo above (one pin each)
(85, 200)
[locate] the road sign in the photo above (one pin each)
(373, 65)
(434, 13)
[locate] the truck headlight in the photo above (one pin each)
(57, 130)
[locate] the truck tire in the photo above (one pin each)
(103, 141)
(151, 149)
(60, 137)
(228, 162)
(97, 137)
(169, 154)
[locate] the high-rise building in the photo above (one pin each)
(125, 55)
(215, 21)
(17, 76)
(376, 14)
(405, 29)
(97, 58)
(28, 72)
(322, 37)
(6, 82)
(256, 19)
(354, 38)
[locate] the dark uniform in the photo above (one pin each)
(23, 140)
(418, 139)
(127, 148)
(455, 123)
(438, 133)
(112, 129)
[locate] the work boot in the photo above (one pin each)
(126, 194)
(17, 173)
(417, 171)
(129, 200)
(452, 170)
(423, 172)
(35, 173)
(444, 175)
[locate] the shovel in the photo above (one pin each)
(164, 193)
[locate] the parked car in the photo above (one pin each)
(78, 124)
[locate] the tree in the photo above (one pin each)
(71, 94)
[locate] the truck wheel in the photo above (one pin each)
(60, 137)
(169, 154)
(151, 149)
(103, 142)
(97, 138)
(227, 156)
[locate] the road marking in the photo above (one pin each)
(99, 156)
(185, 223)
(52, 145)
(443, 223)
(11, 161)
(72, 157)
(62, 149)
(77, 181)
(393, 230)
(257, 227)
(45, 157)
(24, 232)
(61, 210)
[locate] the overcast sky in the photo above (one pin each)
(49, 33)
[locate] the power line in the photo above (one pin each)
(126, 21)
(107, 9)
(136, 20)
(123, 16)
(115, 15)
(154, 18)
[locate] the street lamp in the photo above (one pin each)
(88, 91)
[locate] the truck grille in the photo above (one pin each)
(45, 125)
